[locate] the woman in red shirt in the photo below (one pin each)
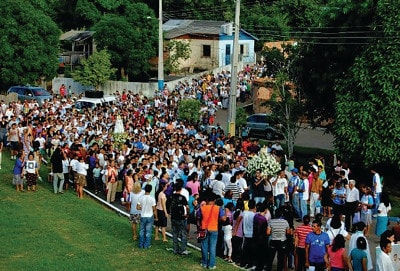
(337, 255)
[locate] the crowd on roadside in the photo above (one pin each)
(161, 163)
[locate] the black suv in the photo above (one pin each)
(262, 126)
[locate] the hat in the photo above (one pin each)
(295, 170)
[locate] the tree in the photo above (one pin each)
(189, 110)
(367, 116)
(95, 71)
(286, 104)
(178, 50)
(131, 37)
(29, 44)
(329, 47)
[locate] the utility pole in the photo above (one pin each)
(234, 72)
(160, 48)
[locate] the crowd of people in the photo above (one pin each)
(165, 168)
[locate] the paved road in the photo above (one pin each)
(306, 137)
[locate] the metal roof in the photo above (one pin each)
(175, 28)
(76, 35)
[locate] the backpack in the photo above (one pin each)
(177, 207)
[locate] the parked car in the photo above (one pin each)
(31, 93)
(262, 126)
(92, 103)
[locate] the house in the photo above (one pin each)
(211, 42)
(76, 45)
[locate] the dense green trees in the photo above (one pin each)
(29, 44)
(368, 102)
(95, 70)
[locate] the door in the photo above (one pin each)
(227, 54)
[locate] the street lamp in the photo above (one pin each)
(160, 48)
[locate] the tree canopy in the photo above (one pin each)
(131, 37)
(29, 44)
(367, 123)
(95, 70)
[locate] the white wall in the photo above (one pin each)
(148, 89)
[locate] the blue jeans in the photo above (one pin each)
(208, 249)
(296, 204)
(179, 230)
(146, 226)
(303, 208)
(279, 200)
(377, 201)
(259, 199)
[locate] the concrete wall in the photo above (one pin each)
(148, 89)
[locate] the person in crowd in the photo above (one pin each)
(376, 189)
(31, 172)
(18, 173)
(227, 229)
(247, 257)
(367, 202)
(388, 234)
(148, 214)
(317, 243)
(316, 190)
(337, 255)
(209, 215)
(280, 184)
(294, 195)
(14, 138)
(179, 213)
(339, 198)
(134, 214)
(358, 256)
(162, 212)
(335, 228)
(300, 235)
(258, 187)
(56, 161)
(81, 172)
(383, 259)
(260, 237)
(304, 192)
(352, 201)
(237, 232)
(383, 211)
(359, 232)
(111, 178)
(278, 229)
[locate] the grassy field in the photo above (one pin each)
(43, 231)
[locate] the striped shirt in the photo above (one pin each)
(301, 234)
(278, 229)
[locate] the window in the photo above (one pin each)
(206, 50)
(244, 49)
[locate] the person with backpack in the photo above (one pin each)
(179, 211)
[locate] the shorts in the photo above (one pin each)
(134, 218)
(17, 180)
(14, 145)
(162, 219)
(81, 180)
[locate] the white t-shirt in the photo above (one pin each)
(147, 202)
(383, 210)
(279, 187)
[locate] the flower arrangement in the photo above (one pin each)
(119, 139)
(265, 162)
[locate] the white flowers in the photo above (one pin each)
(265, 162)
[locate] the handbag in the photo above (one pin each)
(202, 233)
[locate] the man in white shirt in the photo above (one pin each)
(147, 206)
(383, 260)
(352, 200)
(280, 189)
(376, 188)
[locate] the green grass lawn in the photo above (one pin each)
(43, 231)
